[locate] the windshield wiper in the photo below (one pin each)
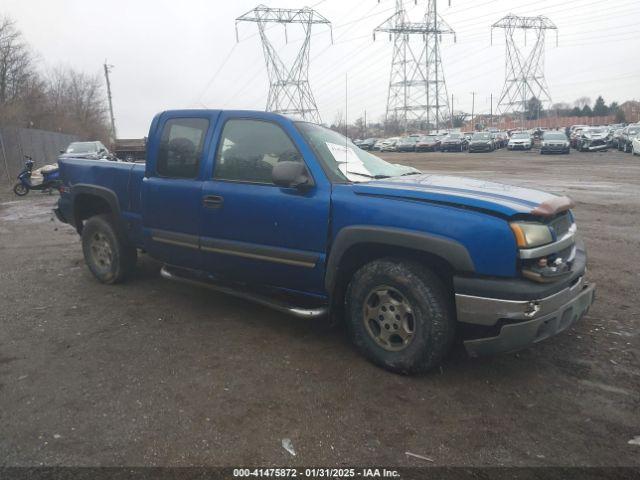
(410, 173)
(375, 177)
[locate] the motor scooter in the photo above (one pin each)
(51, 179)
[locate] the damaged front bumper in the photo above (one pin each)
(500, 316)
(596, 148)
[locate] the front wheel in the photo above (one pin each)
(20, 189)
(400, 315)
(110, 258)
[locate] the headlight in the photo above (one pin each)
(545, 144)
(529, 235)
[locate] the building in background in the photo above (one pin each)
(631, 110)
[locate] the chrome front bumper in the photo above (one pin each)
(523, 322)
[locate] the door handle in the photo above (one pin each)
(212, 201)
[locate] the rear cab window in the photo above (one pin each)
(181, 146)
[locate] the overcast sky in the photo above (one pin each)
(168, 54)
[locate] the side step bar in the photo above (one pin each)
(299, 312)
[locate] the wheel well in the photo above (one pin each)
(87, 205)
(361, 254)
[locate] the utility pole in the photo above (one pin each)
(417, 89)
(473, 108)
(451, 122)
(491, 115)
(107, 70)
(289, 89)
(365, 123)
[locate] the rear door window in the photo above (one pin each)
(181, 147)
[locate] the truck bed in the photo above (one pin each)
(124, 179)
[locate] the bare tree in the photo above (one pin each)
(76, 103)
(17, 72)
(582, 102)
(63, 100)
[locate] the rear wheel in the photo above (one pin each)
(110, 258)
(400, 315)
(20, 189)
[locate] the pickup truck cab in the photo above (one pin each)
(292, 215)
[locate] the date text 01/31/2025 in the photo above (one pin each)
(315, 473)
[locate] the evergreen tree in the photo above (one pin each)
(600, 108)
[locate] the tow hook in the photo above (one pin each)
(533, 307)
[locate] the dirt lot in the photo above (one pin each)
(157, 373)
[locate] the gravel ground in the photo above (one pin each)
(157, 373)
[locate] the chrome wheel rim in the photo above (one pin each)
(388, 318)
(101, 252)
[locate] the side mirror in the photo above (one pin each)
(61, 151)
(291, 175)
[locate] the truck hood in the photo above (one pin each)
(497, 198)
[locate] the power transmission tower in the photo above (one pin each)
(524, 77)
(107, 70)
(289, 90)
(417, 90)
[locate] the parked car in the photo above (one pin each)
(406, 144)
(635, 145)
(554, 142)
(368, 143)
(292, 215)
(520, 141)
(616, 137)
(428, 143)
(500, 139)
(390, 145)
(575, 135)
(378, 145)
(482, 142)
(89, 150)
(592, 139)
(628, 133)
(454, 142)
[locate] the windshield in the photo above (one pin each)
(520, 135)
(82, 147)
(595, 130)
(482, 136)
(429, 138)
(454, 135)
(344, 161)
(554, 136)
(634, 130)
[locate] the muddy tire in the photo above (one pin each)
(20, 190)
(400, 315)
(109, 257)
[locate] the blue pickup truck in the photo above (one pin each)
(292, 215)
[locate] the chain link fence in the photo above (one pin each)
(43, 146)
